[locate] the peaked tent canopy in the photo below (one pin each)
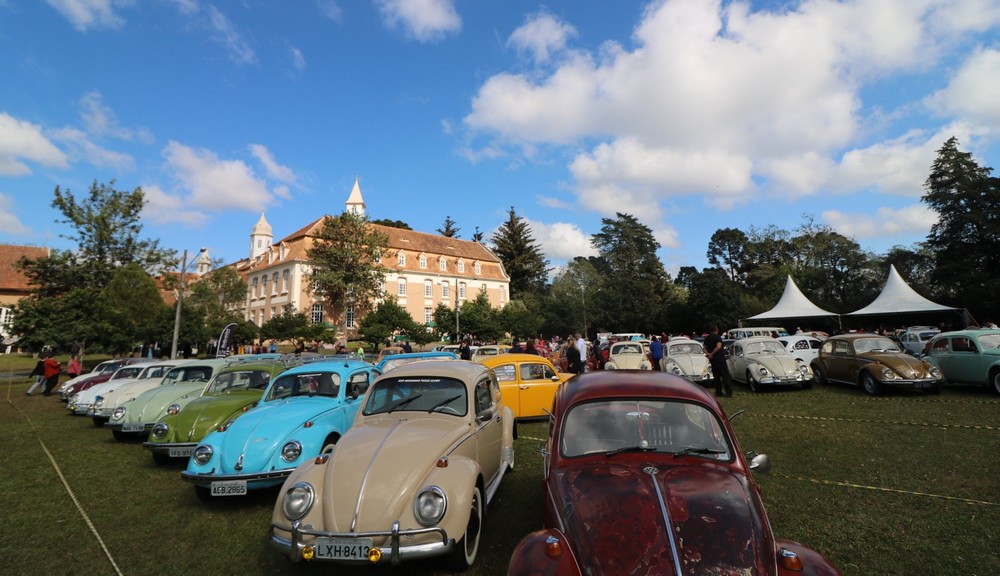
(792, 304)
(897, 297)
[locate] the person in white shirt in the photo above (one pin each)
(581, 345)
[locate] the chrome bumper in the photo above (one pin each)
(201, 478)
(397, 552)
(164, 447)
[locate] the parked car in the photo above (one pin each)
(412, 477)
(92, 379)
(489, 350)
(558, 357)
(397, 360)
(916, 338)
(628, 355)
(763, 361)
(304, 413)
(135, 417)
(80, 402)
(751, 331)
(802, 347)
(967, 357)
(873, 362)
(231, 392)
(105, 367)
(527, 382)
(642, 474)
(105, 395)
(686, 358)
(388, 351)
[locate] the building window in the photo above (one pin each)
(263, 284)
(349, 316)
(461, 290)
(274, 285)
(484, 289)
(461, 267)
(316, 313)
(401, 259)
(442, 264)
(254, 292)
(423, 261)
(428, 288)
(284, 284)
(478, 268)
(428, 314)
(445, 291)
(503, 295)
(401, 290)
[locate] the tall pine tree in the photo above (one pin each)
(521, 256)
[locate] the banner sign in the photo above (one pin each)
(222, 350)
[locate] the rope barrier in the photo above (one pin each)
(883, 489)
(860, 421)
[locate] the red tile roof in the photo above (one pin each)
(11, 277)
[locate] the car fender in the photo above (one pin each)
(813, 563)
(457, 479)
(543, 553)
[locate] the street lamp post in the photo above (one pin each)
(180, 302)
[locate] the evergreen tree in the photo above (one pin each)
(521, 256)
(392, 223)
(449, 230)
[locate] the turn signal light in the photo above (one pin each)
(308, 553)
(374, 555)
(442, 463)
(789, 560)
(322, 458)
(308, 425)
(553, 547)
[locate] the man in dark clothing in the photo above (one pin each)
(655, 352)
(464, 352)
(574, 364)
(515, 347)
(407, 348)
(716, 353)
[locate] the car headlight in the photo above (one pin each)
(298, 500)
(291, 451)
(119, 413)
(98, 401)
(673, 368)
(173, 409)
(73, 399)
(887, 373)
(935, 372)
(644, 366)
(202, 454)
(762, 371)
(803, 369)
(160, 430)
(430, 505)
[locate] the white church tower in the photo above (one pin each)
(260, 238)
(355, 203)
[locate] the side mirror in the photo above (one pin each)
(760, 463)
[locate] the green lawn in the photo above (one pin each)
(897, 485)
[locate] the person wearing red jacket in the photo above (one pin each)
(51, 374)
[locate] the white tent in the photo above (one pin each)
(792, 304)
(897, 297)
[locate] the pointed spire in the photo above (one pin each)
(260, 237)
(355, 203)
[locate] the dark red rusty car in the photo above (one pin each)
(643, 475)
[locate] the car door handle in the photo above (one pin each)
(523, 387)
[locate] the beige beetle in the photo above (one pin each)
(410, 479)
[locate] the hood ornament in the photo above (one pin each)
(239, 463)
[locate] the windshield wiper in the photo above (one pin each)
(693, 450)
(444, 402)
(638, 448)
(402, 403)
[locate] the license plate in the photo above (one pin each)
(133, 427)
(180, 452)
(924, 384)
(343, 548)
(229, 488)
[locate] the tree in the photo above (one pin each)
(444, 321)
(477, 236)
(480, 319)
(392, 223)
(345, 257)
(575, 300)
(965, 241)
(293, 325)
(717, 298)
(727, 249)
(521, 256)
(135, 306)
(217, 296)
(385, 321)
(520, 319)
(449, 230)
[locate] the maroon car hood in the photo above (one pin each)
(614, 523)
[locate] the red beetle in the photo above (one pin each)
(643, 475)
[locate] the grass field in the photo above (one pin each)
(897, 485)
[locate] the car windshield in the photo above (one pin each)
(628, 348)
(667, 426)
(766, 347)
(686, 348)
(987, 341)
(106, 367)
(418, 394)
(128, 372)
(238, 380)
(188, 374)
(311, 384)
(154, 371)
(865, 345)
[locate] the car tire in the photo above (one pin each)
(161, 459)
(872, 386)
(995, 380)
(807, 384)
(99, 422)
(754, 386)
(818, 375)
(466, 549)
(329, 444)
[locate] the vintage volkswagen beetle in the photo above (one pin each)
(231, 392)
(968, 357)
(629, 355)
(527, 382)
(80, 402)
(397, 360)
(686, 358)
(112, 396)
(873, 362)
(303, 413)
(763, 361)
(801, 346)
(411, 478)
(642, 474)
(107, 367)
(134, 417)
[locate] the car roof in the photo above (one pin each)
(508, 358)
(461, 369)
(756, 339)
(333, 365)
(630, 384)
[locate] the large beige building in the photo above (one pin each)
(422, 271)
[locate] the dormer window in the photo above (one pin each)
(401, 259)
(461, 266)
(478, 268)
(423, 262)
(442, 264)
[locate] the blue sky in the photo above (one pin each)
(692, 115)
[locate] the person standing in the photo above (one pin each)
(573, 363)
(515, 347)
(581, 347)
(529, 347)
(52, 368)
(74, 367)
(464, 352)
(655, 352)
(716, 353)
(39, 374)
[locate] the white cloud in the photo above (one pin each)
(164, 208)
(330, 9)
(974, 92)
(561, 240)
(216, 184)
(423, 20)
(542, 35)
(886, 222)
(100, 120)
(81, 147)
(298, 60)
(9, 222)
(84, 14)
(274, 170)
(226, 34)
(22, 141)
(187, 6)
